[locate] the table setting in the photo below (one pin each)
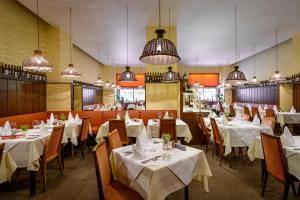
(155, 167)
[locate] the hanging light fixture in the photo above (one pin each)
(127, 75)
(277, 76)
(99, 81)
(70, 71)
(254, 79)
(160, 51)
(236, 77)
(170, 76)
(37, 63)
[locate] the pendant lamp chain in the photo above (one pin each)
(254, 58)
(235, 18)
(127, 33)
(276, 51)
(159, 16)
(38, 24)
(71, 52)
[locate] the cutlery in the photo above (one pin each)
(153, 159)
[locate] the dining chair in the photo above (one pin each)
(255, 112)
(108, 188)
(114, 140)
(84, 135)
(269, 121)
(52, 150)
(247, 114)
(1, 151)
(276, 164)
(218, 140)
(270, 113)
(120, 126)
(231, 111)
(221, 107)
(168, 126)
(205, 131)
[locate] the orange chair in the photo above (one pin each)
(84, 135)
(218, 140)
(109, 189)
(255, 112)
(1, 151)
(247, 115)
(231, 111)
(168, 126)
(270, 113)
(205, 130)
(269, 121)
(276, 164)
(120, 126)
(114, 140)
(221, 107)
(52, 150)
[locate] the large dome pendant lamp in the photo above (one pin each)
(277, 76)
(236, 77)
(70, 71)
(127, 75)
(37, 63)
(160, 51)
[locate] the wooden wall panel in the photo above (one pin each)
(3, 97)
(12, 99)
(42, 97)
(296, 96)
(35, 97)
(21, 93)
(28, 98)
(257, 95)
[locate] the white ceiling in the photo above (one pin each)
(205, 28)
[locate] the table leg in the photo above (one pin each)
(186, 192)
(32, 183)
(263, 166)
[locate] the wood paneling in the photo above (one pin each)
(3, 97)
(257, 95)
(28, 97)
(21, 92)
(296, 96)
(12, 99)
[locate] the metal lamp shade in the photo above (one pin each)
(37, 63)
(160, 51)
(170, 76)
(127, 75)
(70, 72)
(99, 82)
(277, 77)
(236, 77)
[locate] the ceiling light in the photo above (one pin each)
(107, 84)
(160, 51)
(277, 76)
(70, 71)
(170, 76)
(37, 63)
(99, 82)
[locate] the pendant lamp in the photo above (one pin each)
(236, 77)
(37, 63)
(99, 81)
(277, 76)
(254, 79)
(70, 71)
(160, 51)
(127, 75)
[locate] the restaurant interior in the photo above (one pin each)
(160, 99)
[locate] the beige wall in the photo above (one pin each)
(58, 97)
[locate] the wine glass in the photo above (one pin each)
(159, 115)
(171, 115)
(13, 125)
(35, 124)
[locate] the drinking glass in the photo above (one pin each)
(159, 115)
(171, 116)
(35, 124)
(13, 125)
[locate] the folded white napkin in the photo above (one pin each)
(256, 120)
(287, 138)
(138, 151)
(144, 137)
(293, 110)
(249, 107)
(259, 109)
(127, 118)
(70, 118)
(212, 114)
(224, 121)
(6, 129)
(43, 129)
(235, 105)
(51, 120)
(265, 107)
(238, 117)
(98, 107)
(275, 108)
(118, 116)
(166, 115)
(225, 105)
(77, 119)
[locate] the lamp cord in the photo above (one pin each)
(169, 22)
(276, 50)
(236, 56)
(38, 24)
(71, 56)
(254, 60)
(159, 14)
(127, 33)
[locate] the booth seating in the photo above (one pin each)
(24, 119)
(152, 114)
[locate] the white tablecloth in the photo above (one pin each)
(155, 180)
(133, 128)
(7, 167)
(293, 156)
(287, 118)
(182, 129)
(239, 134)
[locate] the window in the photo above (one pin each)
(207, 94)
(130, 94)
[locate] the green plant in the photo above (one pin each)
(166, 137)
(24, 127)
(62, 117)
(226, 114)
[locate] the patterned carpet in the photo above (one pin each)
(79, 182)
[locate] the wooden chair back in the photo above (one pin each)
(114, 140)
(103, 170)
(270, 113)
(275, 160)
(255, 112)
(246, 110)
(53, 145)
(202, 126)
(269, 121)
(120, 126)
(84, 132)
(168, 126)
(231, 111)
(221, 107)
(1, 151)
(217, 136)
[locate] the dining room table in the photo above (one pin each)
(134, 127)
(7, 167)
(284, 118)
(238, 133)
(182, 129)
(157, 175)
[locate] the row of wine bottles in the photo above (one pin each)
(153, 77)
(16, 72)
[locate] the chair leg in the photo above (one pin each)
(241, 155)
(298, 190)
(293, 188)
(89, 143)
(286, 189)
(221, 154)
(60, 164)
(214, 150)
(62, 158)
(81, 149)
(264, 183)
(44, 172)
(206, 142)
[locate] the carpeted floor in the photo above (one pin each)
(79, 182)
